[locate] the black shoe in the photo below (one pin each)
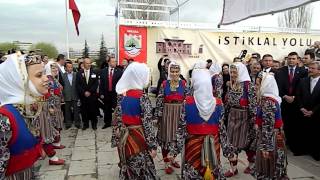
(84, 127)
(78, 126)
(298, 154)
(94, 126)
(105, 126)
(68, 127)
(315, 157)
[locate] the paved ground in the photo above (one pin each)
(89, 156)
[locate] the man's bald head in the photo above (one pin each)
(87, 63)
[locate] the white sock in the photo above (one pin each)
(56, 144)
(167, 164)
(54, 158)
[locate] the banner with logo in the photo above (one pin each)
(133, 43)
(188, 46)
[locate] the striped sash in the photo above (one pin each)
(132, 142)
(194, 152)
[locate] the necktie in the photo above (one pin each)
(290, 80)
(110, 79)
(87, 76)
(291, 75)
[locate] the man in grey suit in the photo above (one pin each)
(70, 95)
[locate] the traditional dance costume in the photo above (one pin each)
(270, 133)
(19, 147)
(216, 80)
(168, 111)
(241, 109)
(133, 131)
(201, 131)
(51, 118)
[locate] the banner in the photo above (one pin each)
(237, 10)
(133, 43)
(188, 46)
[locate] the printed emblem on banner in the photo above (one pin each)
(132, 44)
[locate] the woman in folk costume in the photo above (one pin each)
(50, 118)
(216, 80)
(201, 130)
(22, 82)
(133, 132)
(271, 151)
(55, 95)
(168, 110)
(241, 109)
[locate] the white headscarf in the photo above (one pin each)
(215, 68)
(202, 92)
(136, 76)
(269, 87)
(47, 67)
(200, 65)
(172, 63)
(243, 74)
(15, 86)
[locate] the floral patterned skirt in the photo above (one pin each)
(275, 166)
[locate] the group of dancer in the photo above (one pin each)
(30, 116)
(191, 122)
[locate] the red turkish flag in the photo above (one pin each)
(75, 13)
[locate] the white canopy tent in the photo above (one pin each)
(193, 14)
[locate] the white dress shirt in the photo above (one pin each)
(110, 70)
(267, 69)
(70, 77)
(294, 69)
(87, 74)
(61, 68)
(313, 82)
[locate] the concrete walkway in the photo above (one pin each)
(89, 156)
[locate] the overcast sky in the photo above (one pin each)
(44, 20)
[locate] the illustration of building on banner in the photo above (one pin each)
(173, 46)
(132, 44)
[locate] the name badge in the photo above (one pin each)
(93, 76)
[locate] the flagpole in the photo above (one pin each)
(118, 32)
(67, 32)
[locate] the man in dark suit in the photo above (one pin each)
(288, 78)
(61, 62)
(70, 96)
(308, 98)
(267, 63)
(87, 85)
(308, 58)
(109, 77)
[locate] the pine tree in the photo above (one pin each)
(85, 53)
(103, 52)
